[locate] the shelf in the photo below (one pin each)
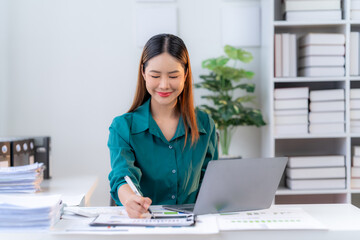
(286, 191)
(310, 79)
(355, 78)
(311, 136)
(354, 22)
(307, 144)
(283, 23)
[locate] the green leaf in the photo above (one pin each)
(213, 63)
(232, 73)
(208, 77)
(248, 87)
(230, 52)
(245, 99)
(208, 86)
(249, 74)
(238, 54)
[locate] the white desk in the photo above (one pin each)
(343, 221)
(76, 191)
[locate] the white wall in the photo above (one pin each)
(3, 65)
(73, 68)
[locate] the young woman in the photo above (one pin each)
(162, 143)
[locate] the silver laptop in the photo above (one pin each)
(236, 185)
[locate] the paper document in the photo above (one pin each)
(118, 220)
(270, 219)
(91, 212)
(70, 224)
(161, 218)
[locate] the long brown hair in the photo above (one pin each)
(173, 45)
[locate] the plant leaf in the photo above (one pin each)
(213, 63)
(238, 54)
(245, 98)
(246, 86)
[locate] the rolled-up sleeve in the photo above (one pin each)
(122, 157)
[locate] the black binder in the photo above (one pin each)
(42, 153)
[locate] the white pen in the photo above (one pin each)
(135, 190)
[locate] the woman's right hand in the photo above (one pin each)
(137, 206)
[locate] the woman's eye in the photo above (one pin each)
(173, 76)
(155, 76)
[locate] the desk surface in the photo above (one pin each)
(342, 220)
(76, 191)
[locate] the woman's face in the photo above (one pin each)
(165, 78)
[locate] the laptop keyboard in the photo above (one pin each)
(188, 208)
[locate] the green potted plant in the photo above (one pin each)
(227, 110)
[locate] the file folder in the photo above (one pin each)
(5, 159)
(42, 153)
(21, 153)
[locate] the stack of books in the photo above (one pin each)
(316, 172)
(306, 10)
(322, 55)
(21, 212)
(291, 110)
(355, 110)
(21, 179)
(355, 170)
(327, 111)
(354, 54)
(355, 10)
(285, 55)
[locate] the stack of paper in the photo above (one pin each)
(306, 10)
(285, 55)
(21, 179)
(322, 55)
(19, 212)
(316, 172)
(327, 111)
(291, 110)
(355, 10)
(355, 170)
(355, 110)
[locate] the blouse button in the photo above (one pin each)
(170, 146)
(173, 171)
(173, 196)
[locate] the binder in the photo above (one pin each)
(21, 151)
(5, 159)
(42, 153)
(26, 150)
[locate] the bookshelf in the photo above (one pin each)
(307, 144)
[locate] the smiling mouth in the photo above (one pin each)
(164, 94)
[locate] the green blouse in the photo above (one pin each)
(162, 170)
